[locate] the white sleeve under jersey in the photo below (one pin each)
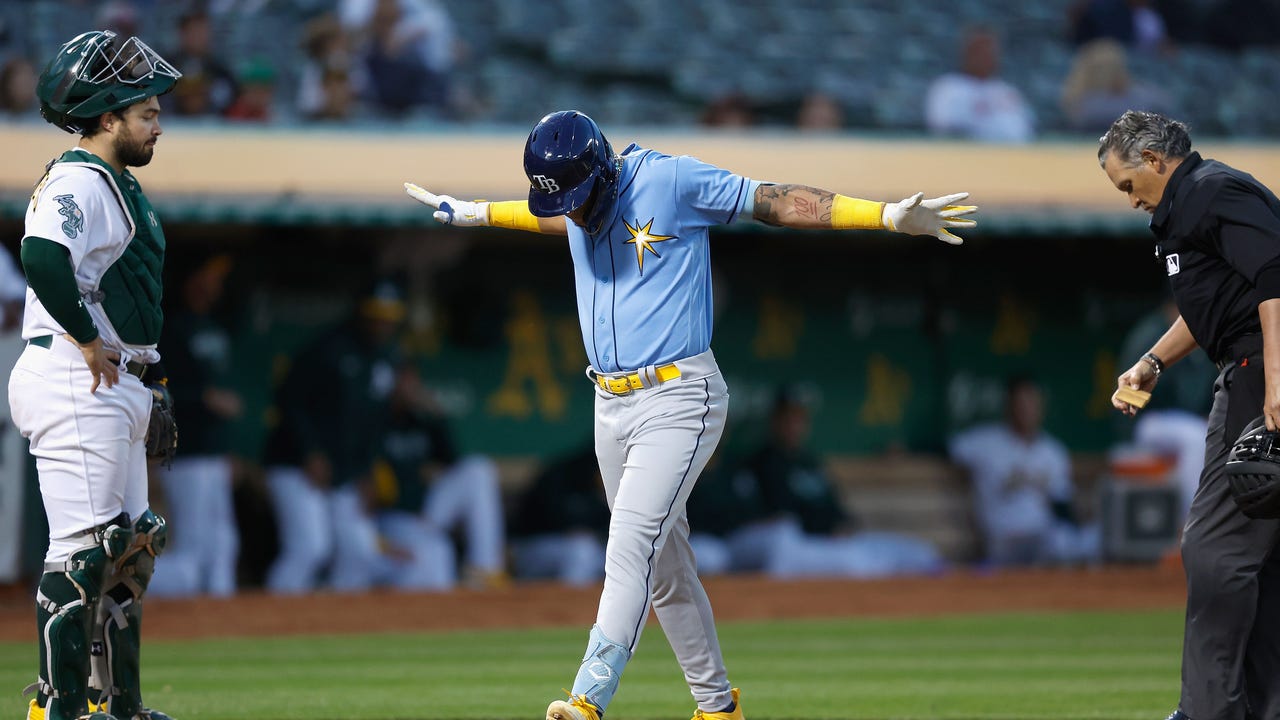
(78, 207)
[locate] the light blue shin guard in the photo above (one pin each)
(601, 669)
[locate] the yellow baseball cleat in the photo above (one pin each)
(734, 714)
(34, 711)
(577, 707)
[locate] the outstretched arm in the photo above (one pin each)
(809, 208)
(513, 214)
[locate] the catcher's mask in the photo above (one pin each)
(98, 72)
(1253, 471)
(570, 164)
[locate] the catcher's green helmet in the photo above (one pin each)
(97, 72)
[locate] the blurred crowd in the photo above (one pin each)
(1008, 75)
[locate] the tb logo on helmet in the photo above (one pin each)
(547, 184)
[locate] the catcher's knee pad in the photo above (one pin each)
(65, 603)
(150, 534)
(117, 624)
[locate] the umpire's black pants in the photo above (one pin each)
(1231, 645)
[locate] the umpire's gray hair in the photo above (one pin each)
(1136, 131)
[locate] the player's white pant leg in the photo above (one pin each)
(430, 562)
(468, 493)
(1184, 435)
(684, 612)
(711, 553)
(222, 550)
(757, 547)
(205, 541)
(357, 559)
(83, 442)
(178, 571)
(649, 468)
(790, 553)
(136, 496)
(302, 524)
(575, 558)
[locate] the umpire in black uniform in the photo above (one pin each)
(1218, 238)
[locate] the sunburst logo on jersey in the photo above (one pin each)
(643, 239)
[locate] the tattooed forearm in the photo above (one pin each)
(798, 206)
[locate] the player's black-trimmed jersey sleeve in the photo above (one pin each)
(50, 275)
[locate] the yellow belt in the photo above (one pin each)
(627, 384)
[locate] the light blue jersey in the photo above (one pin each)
(644, 281)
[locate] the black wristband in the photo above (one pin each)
(1157, 365)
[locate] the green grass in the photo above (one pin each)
(1118, 666)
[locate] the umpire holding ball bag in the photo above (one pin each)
(1217, 233)
(88, 390)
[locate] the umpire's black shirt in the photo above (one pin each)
(1218, 235)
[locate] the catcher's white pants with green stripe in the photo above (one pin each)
(652, 445)
(89, 447)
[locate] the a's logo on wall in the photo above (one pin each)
(74, 222)
(1172, 265)
(546, 183)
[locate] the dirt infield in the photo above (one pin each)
(734, 598)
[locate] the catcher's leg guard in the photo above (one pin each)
(116, 676)
(65, 603)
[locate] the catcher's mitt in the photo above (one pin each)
(162, 433)
(1253, 471)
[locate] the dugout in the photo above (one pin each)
(899, 341)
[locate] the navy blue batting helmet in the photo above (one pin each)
(567, 158)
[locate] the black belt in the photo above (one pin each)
(1242, 348)
(133, 367)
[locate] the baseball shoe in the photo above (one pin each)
(577, 707)
(1177, 715)
(35, 712)
(734, 713)
(98, 711)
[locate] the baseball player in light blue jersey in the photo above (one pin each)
(637, 225)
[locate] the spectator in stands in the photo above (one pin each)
(975, 103)
(1175, 421)
(1100, 88)
(204, 541)
(1022, 485)
(207, 86)
(18, 89)
(561, 521)
(409, 52)
(320, 456)
(255, 100)
(819, 112)
(1234, 25)
(800, 526)
(330, 82)
(118, 16)
(731, 110)
(1137, 24)
(426, 490)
